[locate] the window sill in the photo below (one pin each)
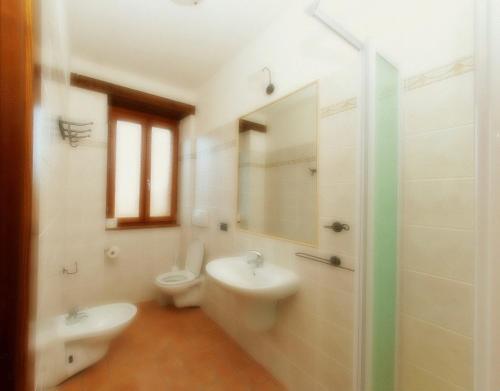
(144, 226)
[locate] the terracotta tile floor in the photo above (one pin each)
(173, 349)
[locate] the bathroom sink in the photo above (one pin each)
(266, 282)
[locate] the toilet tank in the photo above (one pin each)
(194, 257)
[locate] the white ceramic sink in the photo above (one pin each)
(268, 281)
(259, 288)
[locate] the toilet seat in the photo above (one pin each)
(177, 281)
(185, 285)
(175, 277)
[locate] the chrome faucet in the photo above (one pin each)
(75, 315)
(255, 258)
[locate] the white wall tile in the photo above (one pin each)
(442, 353)
(442, 252)
(417, 379)
(444, 302)
(341, 129)
(437, 273)
(340, 164)
(440, 154)
(440, 203)
(441, 105)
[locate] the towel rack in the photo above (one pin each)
(74, 131)
(333, 260)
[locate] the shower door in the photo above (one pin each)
(378, 204)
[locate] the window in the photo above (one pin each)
(142, 169)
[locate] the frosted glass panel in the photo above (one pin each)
(161, 170)
(128, 169)
(385, 225)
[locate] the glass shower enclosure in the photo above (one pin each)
(378, 203)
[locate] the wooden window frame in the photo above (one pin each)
(147, 121)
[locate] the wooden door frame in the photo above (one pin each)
(17, 80)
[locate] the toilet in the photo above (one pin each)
(185, 286)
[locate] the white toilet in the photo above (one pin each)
(185, 286)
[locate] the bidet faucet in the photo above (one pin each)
(75, 315)
(255, 258)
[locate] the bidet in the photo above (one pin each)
(79, 339)
(75, 315)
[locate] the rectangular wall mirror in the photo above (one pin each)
(278, 168)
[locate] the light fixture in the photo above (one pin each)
(187, 2)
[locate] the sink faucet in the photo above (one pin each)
(255, 258)
(75, 315)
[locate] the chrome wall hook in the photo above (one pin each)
(337, 226)
(67, 271)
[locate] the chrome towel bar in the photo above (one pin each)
(333, 260)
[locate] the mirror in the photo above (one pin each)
(278, 168)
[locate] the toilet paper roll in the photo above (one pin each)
(113, 252)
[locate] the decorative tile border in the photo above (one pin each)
(289, 162)
(188, 156)
(223, 146)
(339, 107)
(252, 164)
(456, 68)
(218, 147)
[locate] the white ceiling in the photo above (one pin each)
(178, 45)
